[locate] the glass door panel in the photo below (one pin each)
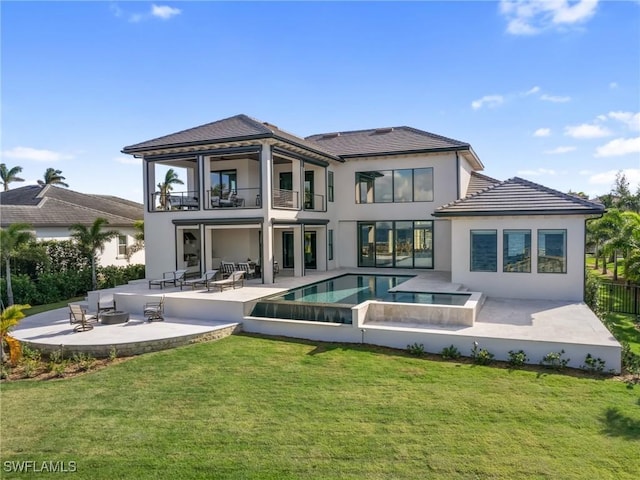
(366, 253)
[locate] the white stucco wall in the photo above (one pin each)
(534, 285)
(109, 256)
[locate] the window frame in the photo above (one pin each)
(565, 253)
(122, 245)
(505, 247)
(369, 178)
(330, 186)
(330, 244)
(482, 231)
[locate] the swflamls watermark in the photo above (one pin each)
(33, 466)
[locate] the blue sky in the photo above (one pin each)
(549, 91)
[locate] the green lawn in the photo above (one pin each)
(247, 407)
(624, 329)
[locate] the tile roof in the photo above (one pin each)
(518, 196)
(52, 206)
(479, 182)
(383, 140)
(238, 127)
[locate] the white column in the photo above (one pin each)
(266, 167)
(298, 251)
(297, 179)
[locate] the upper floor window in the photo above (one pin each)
(552, 251)
(395, 186)
(330, 186)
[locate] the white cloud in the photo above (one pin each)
(35, 154)
(554, 98)
(164, 12)
(533, 90)
(488, 100)
(619, 147)
(128, 160)
(538, 172)
(560, 150)
(529, 17)
(585, 172)
(609, 177)
(542, 132)
(613, 85)
(631, 120)
(586, 131)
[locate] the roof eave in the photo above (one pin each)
(407, 152)
(509, 213)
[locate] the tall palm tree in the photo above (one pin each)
(170, 179)
(138, 239)
(91, 240)
(11, 239)
(9, 175)
(53, 177)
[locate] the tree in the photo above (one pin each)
(11, 239)
(91, 240)
(170, 179)
(53, 177)
(9, 175)
(9, 318)
(138, 238)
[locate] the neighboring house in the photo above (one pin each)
(366, 198)
(51, 210)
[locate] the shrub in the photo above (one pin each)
(83, 361)
(591, 290)
(481, 356)
(416, 349)
(554, 360)
(592, 364)
(517, 359)
(630, 361)
(24, 290)
(450, 352)
(113, 353)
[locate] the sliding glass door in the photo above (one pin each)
(401, 244)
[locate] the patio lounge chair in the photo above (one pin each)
(78, 317)
(248, 269)
(227, 268)
(235, 280)
(154, 311)
(209, 276)
(175, 278)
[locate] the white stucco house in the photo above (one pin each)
(388, 198)
(51, 210)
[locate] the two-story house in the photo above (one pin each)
(388, 198)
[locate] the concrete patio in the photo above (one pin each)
(535, 326)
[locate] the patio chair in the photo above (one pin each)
(227, 268)
(100, 303)
(154, 311)
(248, 269)
(235, 280)
(173, 278)
(78, 317)
(209, 276)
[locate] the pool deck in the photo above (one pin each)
(193, 315)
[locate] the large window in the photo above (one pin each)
(399, 186)
(484, 251)
(330, 245)
(552, 251)
(223, 182)
(516, 251)
(401, 244)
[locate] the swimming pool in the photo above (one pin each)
(331, 300)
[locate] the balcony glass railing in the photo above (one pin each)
(187, 200)
(285, 199)
(238, 198)
(314, 202)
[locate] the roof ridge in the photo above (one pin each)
(484, 177)
(435, 135)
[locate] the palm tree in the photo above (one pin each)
(11, 239)
(91, 240)
(9, 175)
(9, 318)
(53, 177)
(138, 237)
(170, 179)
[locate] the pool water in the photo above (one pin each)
(331, 300)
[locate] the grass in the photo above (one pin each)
(624, 329)
(590, 262)
(247, 407)
(50, 306)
